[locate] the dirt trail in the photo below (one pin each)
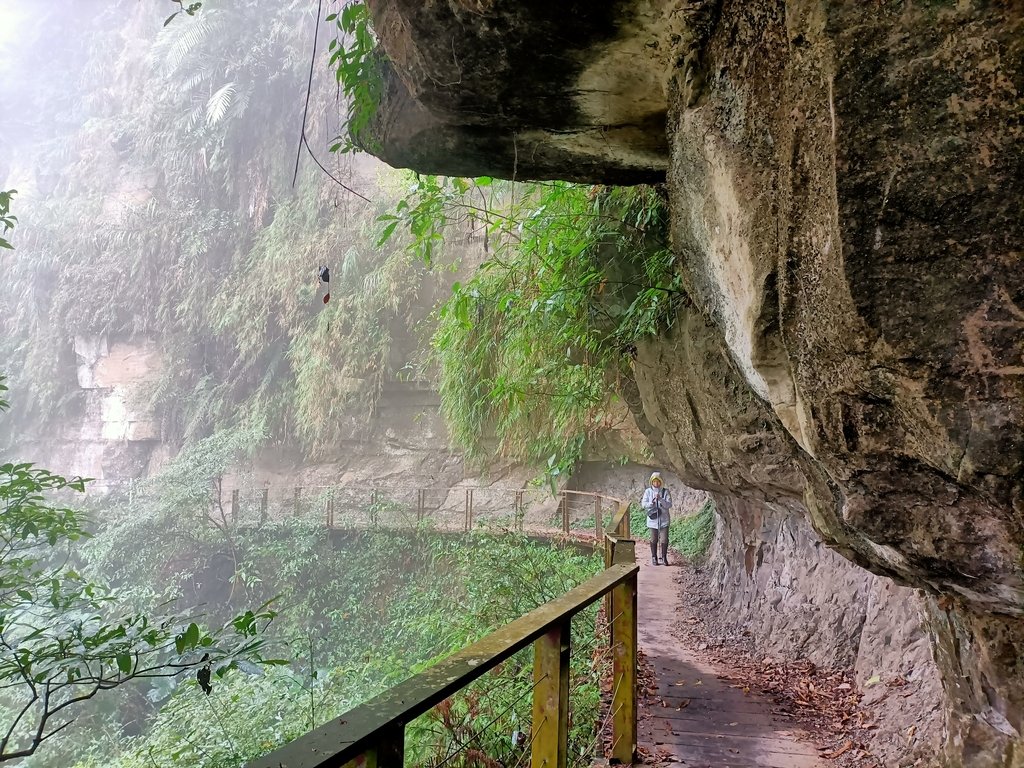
(688, 717)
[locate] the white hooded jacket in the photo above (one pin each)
(660, 499)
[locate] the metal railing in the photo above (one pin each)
(373, 734)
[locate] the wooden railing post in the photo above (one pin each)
(551, 698)
(330, 508)
(520, 511)
(468, 525)
(389, 752)
(623, 530)
(564, 503)
(598, 522)
(624, 647)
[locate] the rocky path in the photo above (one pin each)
(688, 717)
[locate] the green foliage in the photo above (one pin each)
(359, 613)
(692, 535)
(191, 9)
(174, 219)
(66, 638)
(7, 220)
(356, 68)
(530, 349)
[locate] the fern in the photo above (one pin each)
(219, 104)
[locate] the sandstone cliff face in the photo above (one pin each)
(846, 183)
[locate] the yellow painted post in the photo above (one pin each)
(608, 548)
(624, 646)
(624, 531)
(551, 699)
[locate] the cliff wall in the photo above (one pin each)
(845, 182)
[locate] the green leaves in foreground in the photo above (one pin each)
(66, 638)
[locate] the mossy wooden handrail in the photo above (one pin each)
(376, 728)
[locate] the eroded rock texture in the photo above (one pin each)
(846, 183)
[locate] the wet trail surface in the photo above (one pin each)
(688, 717)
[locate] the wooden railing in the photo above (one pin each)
(462, 508)
(373, 734)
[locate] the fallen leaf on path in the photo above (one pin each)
(847, 746)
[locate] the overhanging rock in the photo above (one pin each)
(531, 90)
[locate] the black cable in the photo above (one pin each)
(303, 141)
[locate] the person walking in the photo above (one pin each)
(657, 502)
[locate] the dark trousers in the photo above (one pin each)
(659, 535)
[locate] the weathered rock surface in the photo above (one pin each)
(779, 583)
(554, 88)
(846, 183)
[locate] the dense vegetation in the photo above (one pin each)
(532, 350)
(66, 637)
(158, 202)
(356, 615)
(169, 213)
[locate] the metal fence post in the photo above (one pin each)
(624, 646)
(551, 698)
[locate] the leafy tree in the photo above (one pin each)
(533, 350)
(64, 638)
